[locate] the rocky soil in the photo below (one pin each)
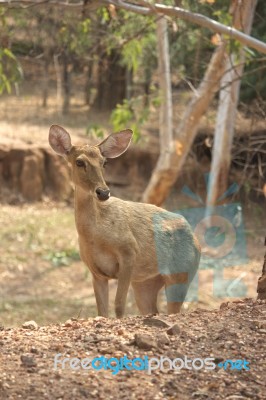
(236, 331)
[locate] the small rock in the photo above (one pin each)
(260, 324)
(228, 344)
(99, 318)
(123, 348)
(159, 323)
(5, 385)
(30, 325)
(200, 337)
(231, 305)
(68, 323)
(43, 372)
(145, 342)
(107, 350)
(88, 338)
(162, 339)
(218, 359)
(28, 361)
(224, 305)
(34, 350)
(174, 330)
(57, 375)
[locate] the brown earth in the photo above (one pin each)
(236, 331)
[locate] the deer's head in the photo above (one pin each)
(87, 162)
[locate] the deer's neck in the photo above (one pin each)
(86, 207)
(83, 198)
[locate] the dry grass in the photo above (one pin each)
(41, 277)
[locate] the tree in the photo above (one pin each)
(243, 13)
(165, 88)
(146, 8)
(166, 171)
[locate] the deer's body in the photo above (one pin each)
(124, 240)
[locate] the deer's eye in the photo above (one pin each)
(80, 163)
(105, 163)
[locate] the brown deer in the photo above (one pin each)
(135, 243)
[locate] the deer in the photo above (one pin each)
(137, 244)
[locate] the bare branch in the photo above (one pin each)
(31, 3)
(146, 8)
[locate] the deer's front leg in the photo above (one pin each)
(101, 291)
(124, 278)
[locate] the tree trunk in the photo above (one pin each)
(58, 83)
(129, 80)
(262, 280)
(166, 107)
(66, 85)
(45, 81)
(147, 86)
(88, 83)
(229, 95)
(167, 169)
(112, 81)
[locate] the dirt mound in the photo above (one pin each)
(234, 332)
(28, 173)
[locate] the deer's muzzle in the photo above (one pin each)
(103, 194)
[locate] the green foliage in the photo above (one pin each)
(74, 36)
(253, 84)
(103, 15)
(122, 115)
(10, 71)
(95, 130)
(132, 35)
(131, 54)
(62, 258)
(129, 36)
(223, 16)
(131, 114)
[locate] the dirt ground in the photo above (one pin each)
(235, 332)
(43, 279)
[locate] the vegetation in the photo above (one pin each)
(115, 50)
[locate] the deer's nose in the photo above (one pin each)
(103, 194)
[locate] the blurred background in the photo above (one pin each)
(95, 69)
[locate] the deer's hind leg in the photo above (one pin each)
(146, 294)
(176, 287)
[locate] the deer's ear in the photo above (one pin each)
(59, 140)
(115, 144)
